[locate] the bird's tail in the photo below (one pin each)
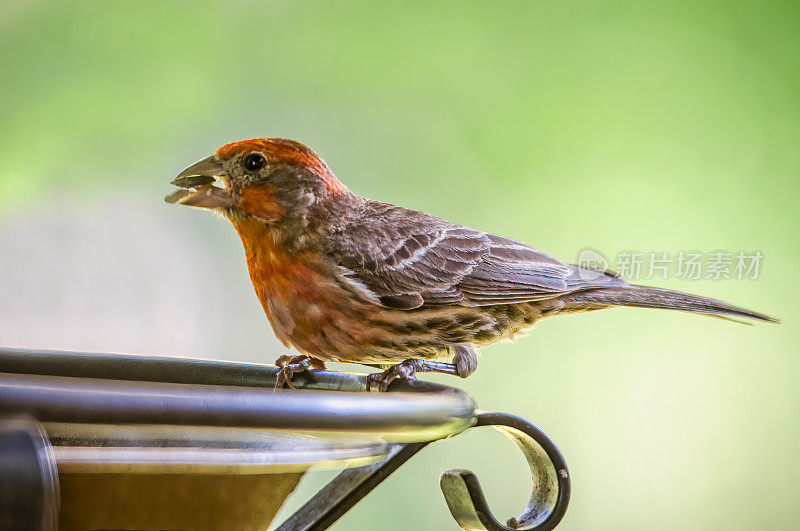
(648, 297)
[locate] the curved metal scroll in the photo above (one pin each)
(551, 483)
(462, 491)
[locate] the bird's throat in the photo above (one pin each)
(278, 275)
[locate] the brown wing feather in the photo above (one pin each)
(410, 259)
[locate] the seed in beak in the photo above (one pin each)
(191, 181)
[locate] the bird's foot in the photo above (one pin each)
(291, 365)
(406, 370)
(464, 363)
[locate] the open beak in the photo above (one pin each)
(197, 188)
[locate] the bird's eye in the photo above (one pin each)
(254, 162)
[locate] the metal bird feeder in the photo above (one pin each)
(102, 441)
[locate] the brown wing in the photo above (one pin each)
(408, 259)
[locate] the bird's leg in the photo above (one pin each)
(464, 363)
(407, 370)
(290, 365)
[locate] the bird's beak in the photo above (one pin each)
(196, 186)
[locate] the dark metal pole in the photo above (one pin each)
(28, 477)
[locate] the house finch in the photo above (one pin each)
(344, 278)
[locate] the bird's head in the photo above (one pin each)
(269, 179)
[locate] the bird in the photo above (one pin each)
(343, 278)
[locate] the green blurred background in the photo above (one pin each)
(612, 125)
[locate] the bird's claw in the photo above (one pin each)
(285, 378)
(291, 365)
(406, 371)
